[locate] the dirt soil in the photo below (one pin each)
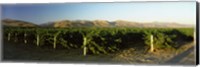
(13, 52)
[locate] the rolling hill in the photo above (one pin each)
(117, 23)
(17, 23)
(95, 23)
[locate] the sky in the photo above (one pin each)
(178, 12)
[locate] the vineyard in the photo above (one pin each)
(100, 40)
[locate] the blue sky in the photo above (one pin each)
(179, 12)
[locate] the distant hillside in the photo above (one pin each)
(166, 25)
(117, 23)
(48, 24)
(123, 23)
(17, 23)
(79, 23)
(95, 23)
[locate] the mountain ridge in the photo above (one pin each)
(93, 23)
(17, 23)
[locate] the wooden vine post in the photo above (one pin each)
(38, 40)
(9, 36)
(152, 46)
(194, 37)
(25, 41)
(55, 39)
(15, 37)
(54, 44)
(84, 46)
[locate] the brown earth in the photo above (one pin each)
(13, 52)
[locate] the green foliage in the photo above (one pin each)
(103, 40)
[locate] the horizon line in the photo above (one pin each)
(97, 20)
